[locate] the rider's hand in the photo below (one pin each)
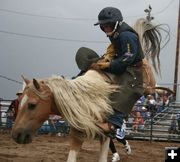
(103, 65)
(94, 66)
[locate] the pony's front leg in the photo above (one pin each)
(104, 149)
(75, 145)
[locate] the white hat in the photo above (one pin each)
(143, 108)
(138, 101)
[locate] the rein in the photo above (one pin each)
(108, 79)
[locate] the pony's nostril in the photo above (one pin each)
(22, 136)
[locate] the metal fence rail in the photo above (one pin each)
(158, 126)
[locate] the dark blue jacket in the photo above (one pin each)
(128, 49)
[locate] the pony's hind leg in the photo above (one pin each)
(104, 149)
(75, 145)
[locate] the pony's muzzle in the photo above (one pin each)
(22, 136)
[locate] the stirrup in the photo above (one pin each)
(112, 131)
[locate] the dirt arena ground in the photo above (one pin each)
(55, 149)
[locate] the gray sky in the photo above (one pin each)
(39, 38)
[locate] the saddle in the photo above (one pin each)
(85, 57)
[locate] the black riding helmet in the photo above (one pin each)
(109, 15)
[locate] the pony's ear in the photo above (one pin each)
(36, 84)
(27, 81)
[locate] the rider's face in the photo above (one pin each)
(106, 28)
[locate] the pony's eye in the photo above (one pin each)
(31, 106)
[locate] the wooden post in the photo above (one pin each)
(177, 57)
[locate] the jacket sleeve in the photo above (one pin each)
(126, 52)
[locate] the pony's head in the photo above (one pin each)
(35, 106)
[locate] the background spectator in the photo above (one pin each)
(165, 98)
(178, 120)
(159, 104)
(151, 105)
(63, 127)
(52, 125)
(15, 103)
(138, 123)
(173, 126)
(10, 119)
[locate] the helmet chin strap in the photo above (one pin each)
(115, 27)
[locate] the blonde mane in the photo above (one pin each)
(83, 101)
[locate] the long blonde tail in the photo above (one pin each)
(151, 40)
